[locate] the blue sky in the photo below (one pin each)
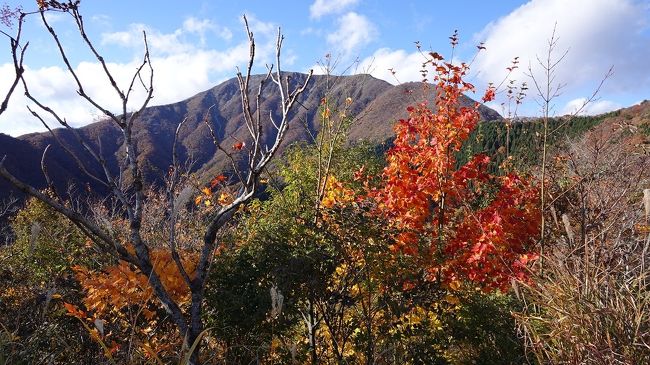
(197, 44)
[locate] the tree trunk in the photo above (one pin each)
(312, 333)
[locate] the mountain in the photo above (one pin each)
(376, 105)
(631, 126)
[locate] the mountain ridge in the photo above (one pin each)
(376, 104)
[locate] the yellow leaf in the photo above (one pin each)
(454, 285)
(225, 199)
(452, 299)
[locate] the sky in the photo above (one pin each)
(195, 45)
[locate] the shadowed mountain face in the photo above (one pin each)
(376, 104)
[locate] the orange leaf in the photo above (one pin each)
(436, 56)
(217, 180)
(238, 146)
(74, 311)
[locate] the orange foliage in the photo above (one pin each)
(238, 146)
(476, 226)
(123, 294)
(218, 180)
(120, 286)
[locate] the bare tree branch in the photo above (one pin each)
(17, 55)
(174, 178)
(128, 193)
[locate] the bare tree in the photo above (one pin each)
(128, 187)
(548, 90)
(7, 16)
(594, 285)
(588, 303)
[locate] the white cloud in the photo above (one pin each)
(385, 61)
(55, 17)
(203, 26)
(54, 88)
(101, 19)
(158, 42)
(353, 31)
(182, 68)
(498, 107)
(195, 25)
(181, 75)
(592, 108)
(176, 77)
(259, 27)
(324, 7)
(179, 41)
(596, 33)
(310, 31)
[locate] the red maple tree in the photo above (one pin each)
(469, 224)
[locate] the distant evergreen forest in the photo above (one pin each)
(524, 143)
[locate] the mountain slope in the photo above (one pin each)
(376, 103)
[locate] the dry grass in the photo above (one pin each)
(589, 301)
(595, 313)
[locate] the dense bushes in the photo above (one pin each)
(296, 280)
(340, 288)
(35, 279)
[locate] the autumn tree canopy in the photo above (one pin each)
(469, 224)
